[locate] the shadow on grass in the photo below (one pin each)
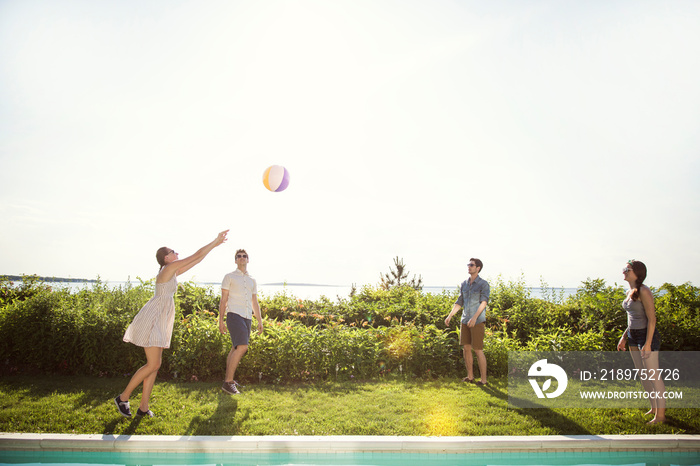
(222, 421)
(111, 426)
(543, 416)
(674, 423)
(554, 420)
(333, 387)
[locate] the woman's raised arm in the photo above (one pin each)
(179, 266)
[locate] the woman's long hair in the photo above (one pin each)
(160, 255)
(640, 270)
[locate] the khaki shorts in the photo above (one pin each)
(473, 336)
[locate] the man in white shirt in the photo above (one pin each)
(239, 302)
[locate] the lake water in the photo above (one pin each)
(332, 292)
(315, 291)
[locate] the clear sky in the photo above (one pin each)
(553, 139)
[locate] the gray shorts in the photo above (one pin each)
(238, 328)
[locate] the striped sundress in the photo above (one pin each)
(153, 325)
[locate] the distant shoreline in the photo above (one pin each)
(49, 279)
(296, 284)
(280, 284)
(299, 290)
(86, 280)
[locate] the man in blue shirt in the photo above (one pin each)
(473, 296)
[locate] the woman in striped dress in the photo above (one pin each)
(153, 325)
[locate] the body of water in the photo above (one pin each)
(315, 291)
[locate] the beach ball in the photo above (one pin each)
(276, 178)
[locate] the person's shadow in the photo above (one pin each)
(110, 427)
(222, 421)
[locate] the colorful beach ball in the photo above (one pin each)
(276, 178)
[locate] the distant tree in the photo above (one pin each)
(398, 277)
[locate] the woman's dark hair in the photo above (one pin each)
(640, 270)
(160, 255)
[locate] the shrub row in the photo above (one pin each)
(289, 351)
(372, 334)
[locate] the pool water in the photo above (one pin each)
(76, 458)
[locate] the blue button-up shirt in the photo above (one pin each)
(471, 296)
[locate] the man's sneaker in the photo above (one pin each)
(122, 406)
(140, 413)
(230, 388)
(237, 385)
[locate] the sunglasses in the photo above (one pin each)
(626, 269)
(172, 252)
(244, 256)
(471, 265)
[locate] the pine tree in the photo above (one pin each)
(398, 277)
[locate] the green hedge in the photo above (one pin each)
(375, 333)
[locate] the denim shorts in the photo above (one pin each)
(238, 328)
(638, 337)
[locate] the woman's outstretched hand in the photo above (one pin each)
(221, 238)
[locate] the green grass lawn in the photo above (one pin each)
(84, 405)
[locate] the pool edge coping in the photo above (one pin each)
(344, 444)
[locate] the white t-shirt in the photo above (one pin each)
(241, 288)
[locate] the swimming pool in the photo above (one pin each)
(66, 458)
(95, 450)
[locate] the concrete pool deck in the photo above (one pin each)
(346, 444)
